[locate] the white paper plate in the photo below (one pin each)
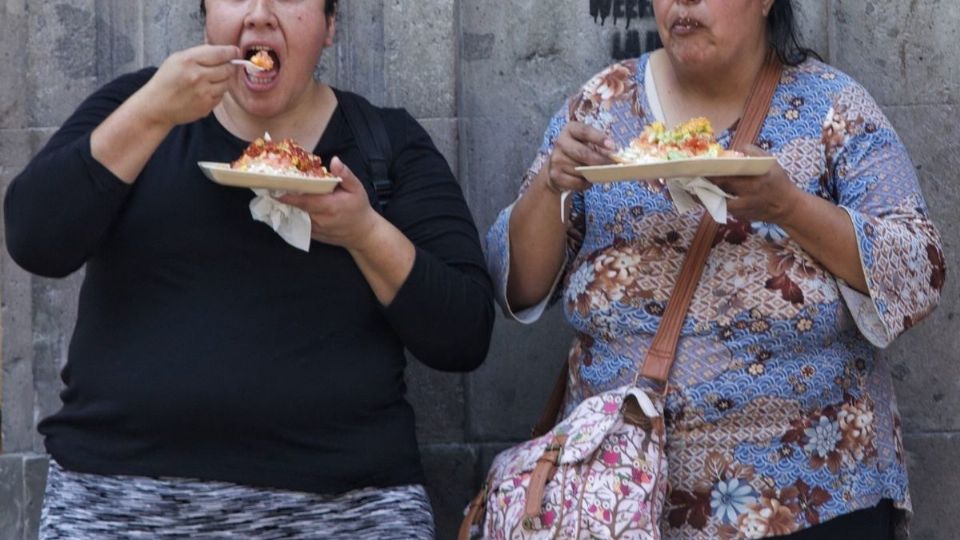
(221, 173)
(724, 166)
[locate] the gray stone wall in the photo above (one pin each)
(483, 76)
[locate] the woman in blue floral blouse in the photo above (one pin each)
(781, 420)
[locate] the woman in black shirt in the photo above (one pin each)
(211, 361)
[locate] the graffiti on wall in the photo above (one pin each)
(630, 43)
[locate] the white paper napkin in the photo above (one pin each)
(713, 198)
(290, 222)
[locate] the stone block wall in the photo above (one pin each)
(483, 76)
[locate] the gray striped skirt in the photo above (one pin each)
(79, 506)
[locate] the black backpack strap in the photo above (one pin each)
(371, 136)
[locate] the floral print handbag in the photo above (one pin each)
(602, 471)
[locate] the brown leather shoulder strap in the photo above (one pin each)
(663, 349)
(659, 358)
(474, 511)
(758, 104)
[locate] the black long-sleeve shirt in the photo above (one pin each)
(207, 347)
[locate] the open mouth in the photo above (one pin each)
(686, 24)
(265, 57)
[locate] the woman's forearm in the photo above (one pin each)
(443, 314)
(825, 231)
(537, 237)
(385, 258)
(126, 139)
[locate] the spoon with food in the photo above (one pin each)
(258, 62)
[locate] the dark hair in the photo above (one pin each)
(782, 32)
(329, 8)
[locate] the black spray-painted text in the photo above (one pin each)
(627, 10)
(631, 43)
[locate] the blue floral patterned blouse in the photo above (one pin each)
(779, 415)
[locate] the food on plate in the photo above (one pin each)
(284, 158)
(691, 139)
(262, 60)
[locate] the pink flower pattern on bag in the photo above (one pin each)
(609, 483)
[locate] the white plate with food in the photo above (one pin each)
(691, 167)
(223, 174)
(277, 166)
(688, 150)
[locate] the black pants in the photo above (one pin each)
(869, 524)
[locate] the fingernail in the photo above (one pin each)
(609, 144)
